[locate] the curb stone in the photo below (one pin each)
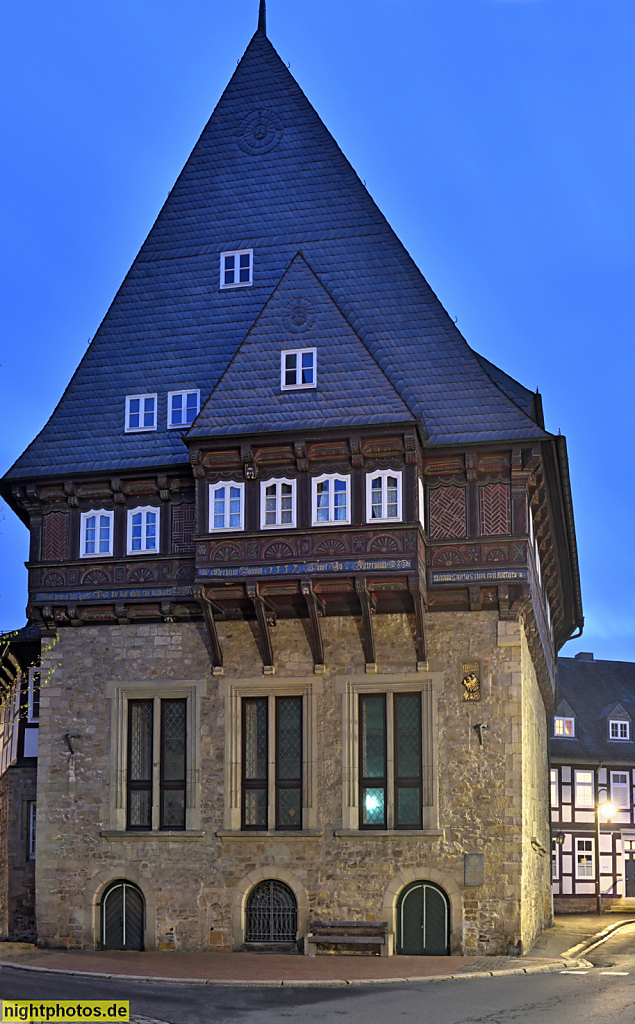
(305, 982)
(597, 939)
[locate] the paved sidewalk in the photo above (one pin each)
(573, 932)
(268, 968)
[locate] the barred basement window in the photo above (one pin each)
(141, 726)
(375, 788)
(284, 789)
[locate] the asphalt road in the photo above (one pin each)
(586, 997)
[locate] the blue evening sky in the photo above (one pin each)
(496, 135)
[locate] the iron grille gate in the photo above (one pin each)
(272, 913)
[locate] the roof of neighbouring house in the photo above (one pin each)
(267, 175)
(595, 692)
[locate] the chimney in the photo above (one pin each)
(584, 656)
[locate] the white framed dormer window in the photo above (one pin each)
(141, 413)
(564, 728)
(96, 533)
(277, 504)
(620, 790)
(619, 730)
(226, 506)
(383, 497)
(183, 408)
(236, 268)
(143, 530)
(298, 369)
(331, 499)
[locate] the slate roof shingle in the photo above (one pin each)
(170, 327)
(593, 690)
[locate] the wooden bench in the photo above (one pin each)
(345, 933)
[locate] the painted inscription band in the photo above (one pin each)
(113, 595)
(308, 568)
(480, 576)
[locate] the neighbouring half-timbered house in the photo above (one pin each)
(592, 770)
(309, 559)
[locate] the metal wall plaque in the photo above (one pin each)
(471, 680)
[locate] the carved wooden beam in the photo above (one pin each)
(214, 642)
(313, 603)
(266, 617)
(414, 586)
(366, 604)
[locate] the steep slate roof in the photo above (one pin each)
(351, 387)
(593, 690)
(266, 174)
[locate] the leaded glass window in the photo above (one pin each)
(140, 729)
(372, 771)
(407, 723)
(173, 717)
(288, 762)
(255, 762)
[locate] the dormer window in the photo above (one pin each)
(619, 729)
(183, 407)
(236, 268)
(564, 728)
(298, 369)
(383, 497)
(141, 413)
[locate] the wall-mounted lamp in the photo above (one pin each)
(479, 727)
(559, 837)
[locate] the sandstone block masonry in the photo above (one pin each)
(489, 799)
(17, 868)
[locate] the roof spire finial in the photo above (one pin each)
(262, 18)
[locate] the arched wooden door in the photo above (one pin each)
(423, 921)
(122, 917)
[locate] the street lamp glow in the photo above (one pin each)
(607, 809)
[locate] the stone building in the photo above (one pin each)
(308, 559)
(593, 785)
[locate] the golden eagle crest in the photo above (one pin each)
(471, 687)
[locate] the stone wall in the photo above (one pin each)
(195, 885)
(17, 871)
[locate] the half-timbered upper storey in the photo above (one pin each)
(347, 449)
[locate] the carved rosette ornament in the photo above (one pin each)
(259, 132)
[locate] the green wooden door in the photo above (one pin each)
(423, 921)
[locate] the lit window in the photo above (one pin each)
(236, 268)
(584, 867)
(331, 499)
(298, 369)
(554, 787)
(619, 789)
(564, 727)
(377, 791)
(277, 503)
(183, 407)
(226, 506)
(96, 533)
(141, 413)
(143, 530)
(555, 852)
(31, 811)
(619, 730)
(584, 789)
(383, 496)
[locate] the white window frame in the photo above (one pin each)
(619, 722)
(263, 504)
(143, 509)
(240, 484)
(624, 787)
(563, 735)
(83, 518)
(553, 786)
(585, 852)
(584, 787)
(383, 474)
(297, 352)
(140, 429)
(237, 253)
(34, 674)
(183, 394)
(555, 861)
(31, 827)
(422, 507)
(314, 510)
